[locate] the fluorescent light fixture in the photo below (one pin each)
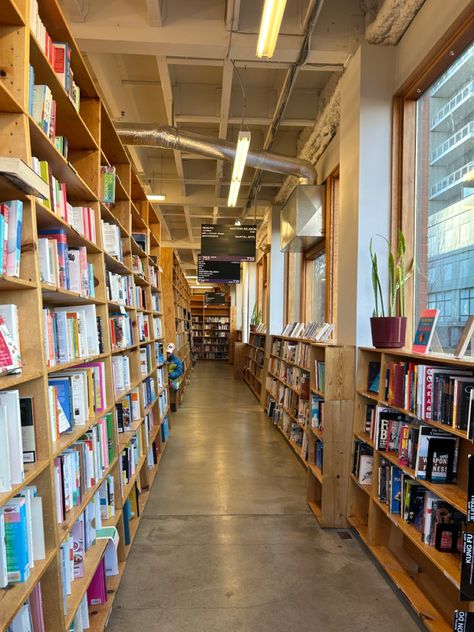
(202, 287)
(190, 277)
(237, 222)
(159, 197)
(243, 144)
(272, 16)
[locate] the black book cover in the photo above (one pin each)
(416, 506)
(440, 460)
(464, 397)
(463, 621)
(119, 409)
(467, 568)
(470, 489)
(28, 429)
(99, 334)
(373, 378)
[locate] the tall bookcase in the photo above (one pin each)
(429, 578)
(310, 398)
(92, 143)
(177, 315)
(210, 328)
(254, 363)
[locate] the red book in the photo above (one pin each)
(425, 330)
(398, 385)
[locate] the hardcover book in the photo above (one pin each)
(463, 621)
(467, 568)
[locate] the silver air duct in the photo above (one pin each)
(172, 138)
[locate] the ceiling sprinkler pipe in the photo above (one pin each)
(172, 138)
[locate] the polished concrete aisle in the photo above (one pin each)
(227, 544)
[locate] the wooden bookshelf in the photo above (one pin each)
(211, 328)
(177, 315)
(254, 363)
(292, 390)
(93, 143)
(429, 578)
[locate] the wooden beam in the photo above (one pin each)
(154, 9)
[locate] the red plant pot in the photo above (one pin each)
(253, 328)
(388, 332)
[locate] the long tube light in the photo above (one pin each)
(243, 144)
(272, 16)
(159, 197)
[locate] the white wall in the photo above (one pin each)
(329, 160)
(365, 185)
(276, 278)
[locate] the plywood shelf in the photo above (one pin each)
(92, 141)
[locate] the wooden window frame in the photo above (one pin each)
(450, 46)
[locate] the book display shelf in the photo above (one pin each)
(310, 398)
(254, 363)
(408, 488)
(83, 396)
(211, 328)
(177, 315)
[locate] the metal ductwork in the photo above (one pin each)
(172, 138)
(302, 219)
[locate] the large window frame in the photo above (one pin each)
(458, 37)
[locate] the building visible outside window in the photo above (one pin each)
(318, 288)
(444, 232)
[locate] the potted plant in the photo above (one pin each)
(256, 318)
(389, 331)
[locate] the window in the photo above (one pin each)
(444, 219)
(318, 288)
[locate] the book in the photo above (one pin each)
(10, 406)
(23, 177)
(10, 353)
(467, 568)
(463, 621)
(97, 591)
(28, 429)
(16, 540)
(425, 330)
(437, 463)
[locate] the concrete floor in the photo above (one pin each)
(227, 543)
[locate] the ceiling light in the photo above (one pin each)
(240, 159)
(272, 16)
(159, 197)
(237, 222)
(202, 287)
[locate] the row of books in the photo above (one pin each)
(21, 536)
(156, 302)
(129, 458)
(18, 443)
(82, 465)
(71, 333)
(121, 331)
(75, 396)
(121, 373)
(143, 327)
(310, 331)
(11, 225)
(108, 176)
(112, 239)
(430, 451)
(163, 404)
(30, 617)
(320, 375)
(57, 53)
(317, 412)
(435, 393)
(127, 410)
(138, 266)
(72, 273)
(148, 391)
(145, 355)
(284, 350)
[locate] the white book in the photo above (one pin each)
(54, 262)
(74, 267)
(5, 479)
(52, 412)
(63, 341)
(39, 548)
(11, 401)
(22, 622)
(3, 552)
(44, 260)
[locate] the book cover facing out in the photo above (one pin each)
(425, 330)
(467, 568)
(463, 621)
(470, 490)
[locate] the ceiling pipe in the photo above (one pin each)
(172, 138)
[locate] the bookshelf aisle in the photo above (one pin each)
(310, 393)
(410, 473)
(254, 363)
(80, 304)
(177, 317)
(210, 328)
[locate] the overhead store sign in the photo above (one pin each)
(214, 298)
(211, 270)
(227, 242)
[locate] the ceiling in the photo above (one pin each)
(189, 63)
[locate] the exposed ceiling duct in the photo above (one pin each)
(172, 138)
(302, 219)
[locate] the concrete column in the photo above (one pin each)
(276, 279)
(365, 185)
